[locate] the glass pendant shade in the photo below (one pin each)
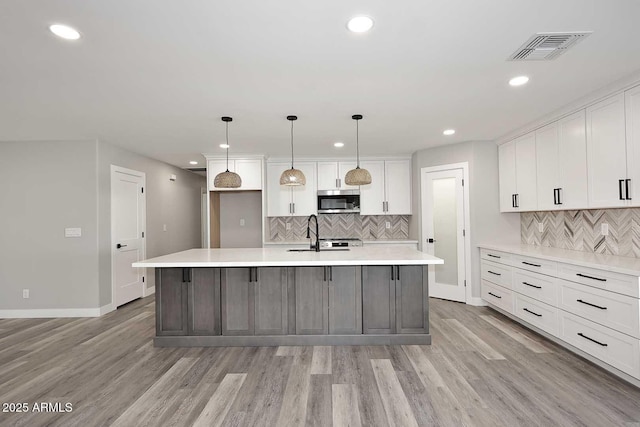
(357, 176)
(292, 177)
(227, 179)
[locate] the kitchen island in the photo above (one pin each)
(272, 296)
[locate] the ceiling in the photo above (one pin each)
(154, 76)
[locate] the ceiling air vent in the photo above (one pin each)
(547, 46)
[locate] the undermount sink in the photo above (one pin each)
(321, 250)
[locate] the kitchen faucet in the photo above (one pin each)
(317, 245)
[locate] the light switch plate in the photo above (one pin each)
(288, 226)
(540, 227)
(241, 222)
(25, 293)
(604, 229)
(387, 224)
(164, 227)
(73, 232)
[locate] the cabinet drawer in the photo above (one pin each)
(498, 296)
(537, 313)
(537, 286)
(496, 256)
(618, 350)
(619, 312)
(614, 282)
(537, 265)
(496, 273)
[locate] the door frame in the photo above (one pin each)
(119, 169)
(467, 221)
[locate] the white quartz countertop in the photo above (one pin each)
(280, 257)
(613, 263)
(306, 242)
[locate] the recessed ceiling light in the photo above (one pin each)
(338, 144)
(193, 162)
(360, 24)
(64, 32)
(449, 132)
(224, 145)
(518, 81)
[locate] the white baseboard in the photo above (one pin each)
(106, 309)
(477, 301)
(148, 291)
(49, 312)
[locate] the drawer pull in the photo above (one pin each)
(529, 311)
(591, 277)
(533, 286)
(497, 274)
(592, 305)
(494, 295)
(531, 264)
(591, 339)
(493, 256)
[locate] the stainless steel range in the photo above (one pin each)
(336, 242)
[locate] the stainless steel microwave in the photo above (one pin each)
(339, 201)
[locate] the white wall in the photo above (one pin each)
(48, 186)
(487, 223)
(237, 205)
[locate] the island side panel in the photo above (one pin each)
(171, 301)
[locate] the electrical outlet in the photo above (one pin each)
(241, 222)
(387, 224)
(540, 227)
(164, 227)
(25, 293)
(288, 226)
(604, 229)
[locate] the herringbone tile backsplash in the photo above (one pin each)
(364, 227)
(581, 230)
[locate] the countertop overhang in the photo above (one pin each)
(280, 257)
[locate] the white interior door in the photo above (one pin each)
(442, 230)
(127, 233)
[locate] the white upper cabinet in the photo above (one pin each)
(547, 161)
(250, 171)
(632, 104)
(390, 190)
(305, 197)
(606, 153)
(331, 175)
(561, 164)
(526, 183)
(507, 168)
(397, 175)
(517, 164)
(572, 164)
(283, 200)
(372, 198)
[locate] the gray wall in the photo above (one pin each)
(48, 186)
(174, 203)
(487, 223)
(235, 205)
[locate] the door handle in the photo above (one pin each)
(555, 196)
(620, 184)
(330, 274)
(398, 272)
(626, 188)
(118, 246)
(559, 198)
(430, 240)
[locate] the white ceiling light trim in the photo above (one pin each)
(64, 31)
(338, 144)
(193, 162)
(449, 132)
(224, 145)
(360, 24)
(519, 81)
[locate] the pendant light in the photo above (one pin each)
(357, 176)
(227, 179)
(292, 177)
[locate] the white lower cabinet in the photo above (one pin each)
(591, 309)
(618, 350)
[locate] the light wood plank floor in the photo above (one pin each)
(482, 369)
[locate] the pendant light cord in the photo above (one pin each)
(357, 144)
(227, 133)
(291, 144)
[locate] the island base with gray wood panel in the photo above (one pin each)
(306, 305)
